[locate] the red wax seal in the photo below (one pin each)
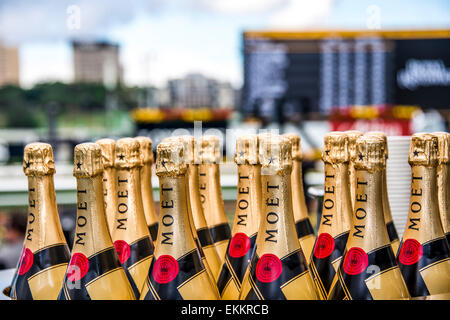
(26, 261)
(268, 268)
(78, 267)
(165, 269)
(239, 245)
(411, 252)
(123, 250)
(324, 246)
(355, 261)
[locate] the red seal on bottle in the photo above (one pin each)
(411, 252)
(355, 261)
(268, 268)
(165, 269)
(324, 246)
(239, 245)
(78, 267)
(26, 261)
(123, 250)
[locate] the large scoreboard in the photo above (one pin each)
(289, 73)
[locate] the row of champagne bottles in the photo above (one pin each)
(123, 250)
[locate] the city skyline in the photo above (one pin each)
(162, 40)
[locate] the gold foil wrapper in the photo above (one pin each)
(383, 136)
(211, 150)
(336, 148)
(443, 147)
(107, 146)
(275, 154)
(87, 160)
(352, 136)
(296, 146)
(247, 149)
(423, 150)
(170, 160)
(127, 154)
(188, 147)
(146, 149)
(38, 159)
(370, 153)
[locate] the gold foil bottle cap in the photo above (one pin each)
(247, 149)
(127, 154)
(146, 149)
(443, 147)
(275, 154)
(383, 136)
(296, 146)
(188, 147)
(423, 150)
(370, 153)
(352, 135)
(210, 152)
(38, 159)
(87, 158)
(170, 160)
(335, 149)
(107, 146)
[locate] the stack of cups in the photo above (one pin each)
(399, 180)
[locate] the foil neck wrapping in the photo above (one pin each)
(107, 146)
(423, 150)
(38, 159)
(370, 153)
(336, 148)
(210, 149)
(247, 150)
(170, 160)
(127, 154)
(443, 147)
(87, 160)
(275, 154)
(296, 146)
(146, 149)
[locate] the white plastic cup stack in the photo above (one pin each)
(399, 180)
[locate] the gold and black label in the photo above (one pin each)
(304, 228)
(84, 271)
(240, 251)
(153, 229)
(415, 260)
(220, 232)
(167, 275)
(32, 264)
(327, 251)
(357, 269)
(269, 274)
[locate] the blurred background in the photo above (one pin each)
(79, 70)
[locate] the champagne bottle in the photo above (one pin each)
(368, 269)
(211, 194)
(336, 213)
(305, 231)
(131, 236)
(443, 180)
(94, 271)
(424, 254)
(146, 185)
(177, 271)
(352, 135)
(392, 231)
(109, 180)
(45, 255)
(246, 219)
(278, 269)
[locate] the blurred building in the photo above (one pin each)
(96, 62)
(9, 65)
(197, 91)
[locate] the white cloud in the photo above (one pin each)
(239, 6)
(301, 13)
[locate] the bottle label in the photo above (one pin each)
(26, 261)
(165, 269)
(411, 252)
(268, 268)
(324, 246)
(239, 245)
(78, 267)
(355, 261)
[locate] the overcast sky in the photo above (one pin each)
(162, 39)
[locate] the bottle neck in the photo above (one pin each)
(110, 196)
(194, 197)
(277, 234)
(130, 224)
(386, 206)
(337, 207)
(248, 205)
(352, 179)
(298, 196)
(443, 182)
(211, 194)
(43, 226)
(91, 231)
(175, 237)
(147, 194)
(423, 222)
(368, 228)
